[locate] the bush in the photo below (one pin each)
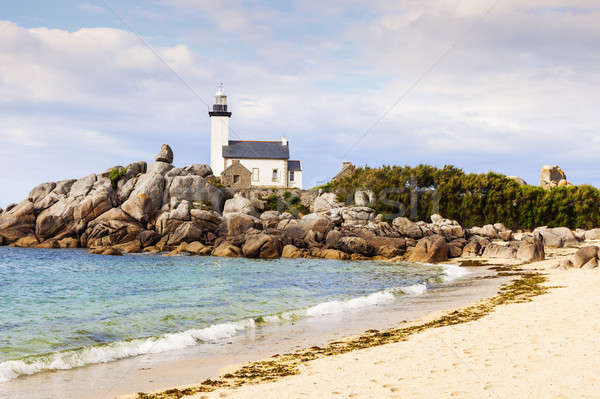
(471, 199)
(286, 203)
(215, 181)
(115, 175)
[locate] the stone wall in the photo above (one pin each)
(236, 176)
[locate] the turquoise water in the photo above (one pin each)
(66, 308)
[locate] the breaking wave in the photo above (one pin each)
(119, 350)
(453, 272)
(125, 349)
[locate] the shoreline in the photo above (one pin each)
(141, 370)
(240, 376)
(253, 379)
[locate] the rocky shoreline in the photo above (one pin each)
(160, 208)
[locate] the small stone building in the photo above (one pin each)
(347, 169)
(236, 176)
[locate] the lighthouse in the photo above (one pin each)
(219, 131)
(243, 164)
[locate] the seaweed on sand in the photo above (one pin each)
(519, 290)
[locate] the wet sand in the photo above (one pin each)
(543, 348)
(151, 373)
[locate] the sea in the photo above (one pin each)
(66, 309)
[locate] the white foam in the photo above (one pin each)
(331, 307)
(272, 319)
(415, 289)
(453, 272)
(124, 349)
(120, 350)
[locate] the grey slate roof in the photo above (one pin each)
(256, 150)
(294, 166)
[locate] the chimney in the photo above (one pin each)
(284, 140)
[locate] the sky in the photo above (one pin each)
(485, 85)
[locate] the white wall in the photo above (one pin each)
(266, 167)
(297, 183)
(219, 136)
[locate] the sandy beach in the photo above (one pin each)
(299, 199)
(194, 364)
(544, 348)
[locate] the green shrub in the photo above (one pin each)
(286, 203)
(471, 199)
(215, 181)
(115, 175)
(293, 200)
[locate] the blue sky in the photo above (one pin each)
(518, 86)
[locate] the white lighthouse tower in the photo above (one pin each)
(219, 131)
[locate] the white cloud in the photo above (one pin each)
(21, 137)
(88, 66)
(227, 15)
(92, 8)
(55, 134)
(521, 84)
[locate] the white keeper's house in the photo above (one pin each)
(247, 163)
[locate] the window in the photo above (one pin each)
(291, 175)
(275, 174)
(236, 179)
(255, 174)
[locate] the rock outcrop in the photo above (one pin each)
(152, 186)
(17, 222)
(179, 210)
(236, 224)
(584, 255)
(557, 237)
(518, 180)
(552, 176)
(199, 170)
(320, 224)
(531, 249)
(197, 190)
(325, 202)
(291, 251)
(430, 249)
(407, 228)
(262, 246)
(227, 250)
(500, 251)
(357, 216)
(593, 234)
(165, 154)
(475, 246)
(239, 204)
(364, 197)
(356, 245)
